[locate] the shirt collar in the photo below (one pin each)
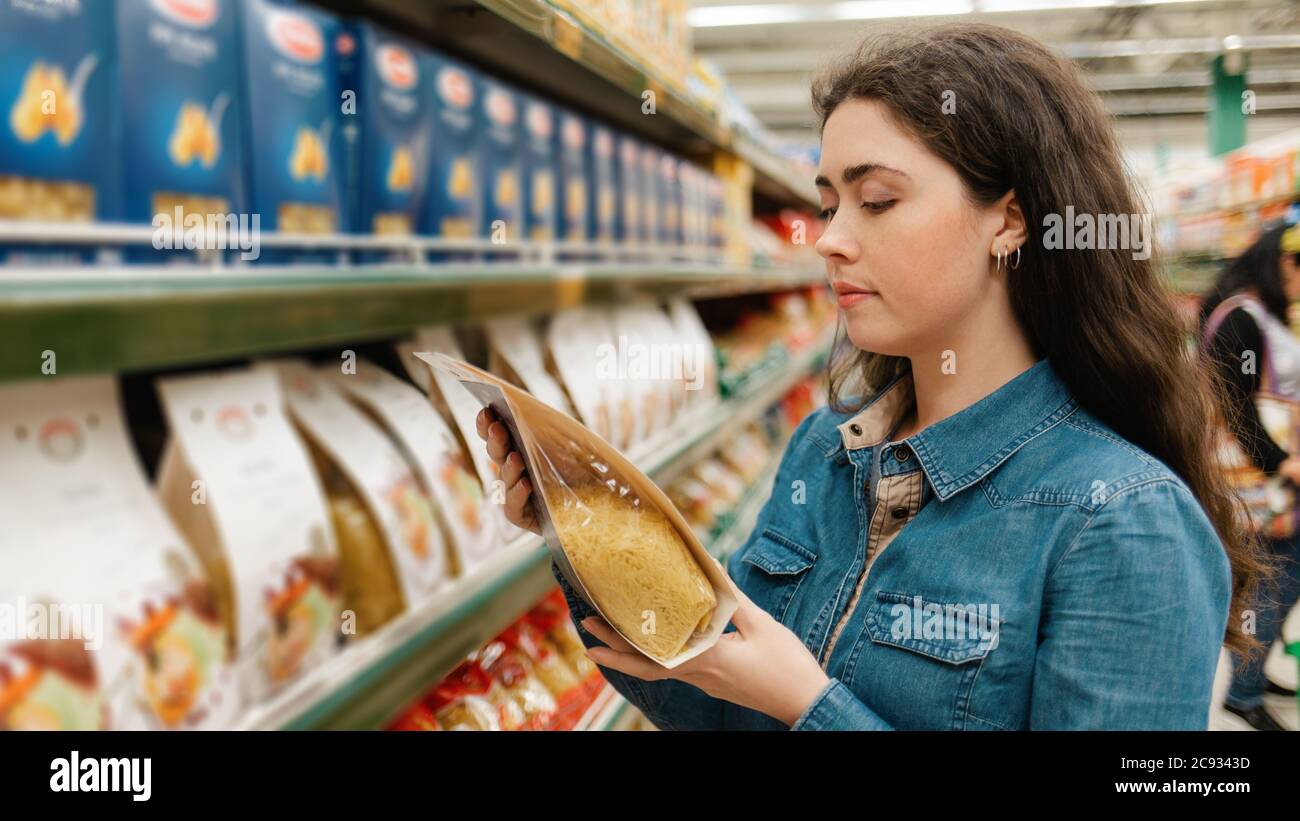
(958, 451)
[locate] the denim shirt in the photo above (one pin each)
(1055, 577)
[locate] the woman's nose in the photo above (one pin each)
(836, 242)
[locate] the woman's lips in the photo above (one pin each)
(851, 299)
(848, 297)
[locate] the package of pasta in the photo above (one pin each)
(615, 536)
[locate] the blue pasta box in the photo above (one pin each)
(690, 178)
(501, 162)
(650, 205)
(538, 153)
(60, 130)
(571, 168)
(670, 201)
(628, 171)
(293, 116)
(388, 169)
(717, 205)
(454, 205)
(182, 137)
(602, 208)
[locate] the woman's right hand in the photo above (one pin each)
(519, 490)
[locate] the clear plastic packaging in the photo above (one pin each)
(615, 536)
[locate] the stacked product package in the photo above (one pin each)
(279, 116)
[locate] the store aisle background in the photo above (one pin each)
(524, 183)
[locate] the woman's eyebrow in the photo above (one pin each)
(856, 172)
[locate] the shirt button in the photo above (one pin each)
(902, 453)
(855, 429)
(899, 513)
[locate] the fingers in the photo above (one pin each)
(491, 430)
(483, 421)
(632, 664)
(498, 442)
(512, 469)
(599, 628)
(520, 508)
(748, 615)
(517, 499)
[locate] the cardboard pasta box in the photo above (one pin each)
(388, 174)
(456, 198)
(60, 131)
(180, 70)
(293, 114)
(537, 154)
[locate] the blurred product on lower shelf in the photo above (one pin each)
(364, 465)
(308, 510)
(240, 486)
(761, 341)
(516, 354)
(160, 657)
(709, 493)
(533, 676)
(441, 467)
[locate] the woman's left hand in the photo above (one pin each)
(761, 665)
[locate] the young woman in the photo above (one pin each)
(1018, 525)
(1260, 284)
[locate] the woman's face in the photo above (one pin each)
(906, 252)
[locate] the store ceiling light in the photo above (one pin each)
(747, 15)
(758, 14)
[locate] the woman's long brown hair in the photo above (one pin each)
(1007, 114)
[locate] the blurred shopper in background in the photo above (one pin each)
(1246, 336)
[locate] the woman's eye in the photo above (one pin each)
(879, 207)
(827, 213)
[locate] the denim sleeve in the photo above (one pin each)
(837, 708)
(1133, 617)
(669, 704)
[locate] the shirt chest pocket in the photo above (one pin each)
(772, 569)
(936, 647)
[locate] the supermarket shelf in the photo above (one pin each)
(538, 46)
(605, 712)
(1248, 205)
(742, 518)
(760, 396)
(364, 686)
(124, 319)
(221, 235)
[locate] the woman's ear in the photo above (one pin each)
(1012, 231)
